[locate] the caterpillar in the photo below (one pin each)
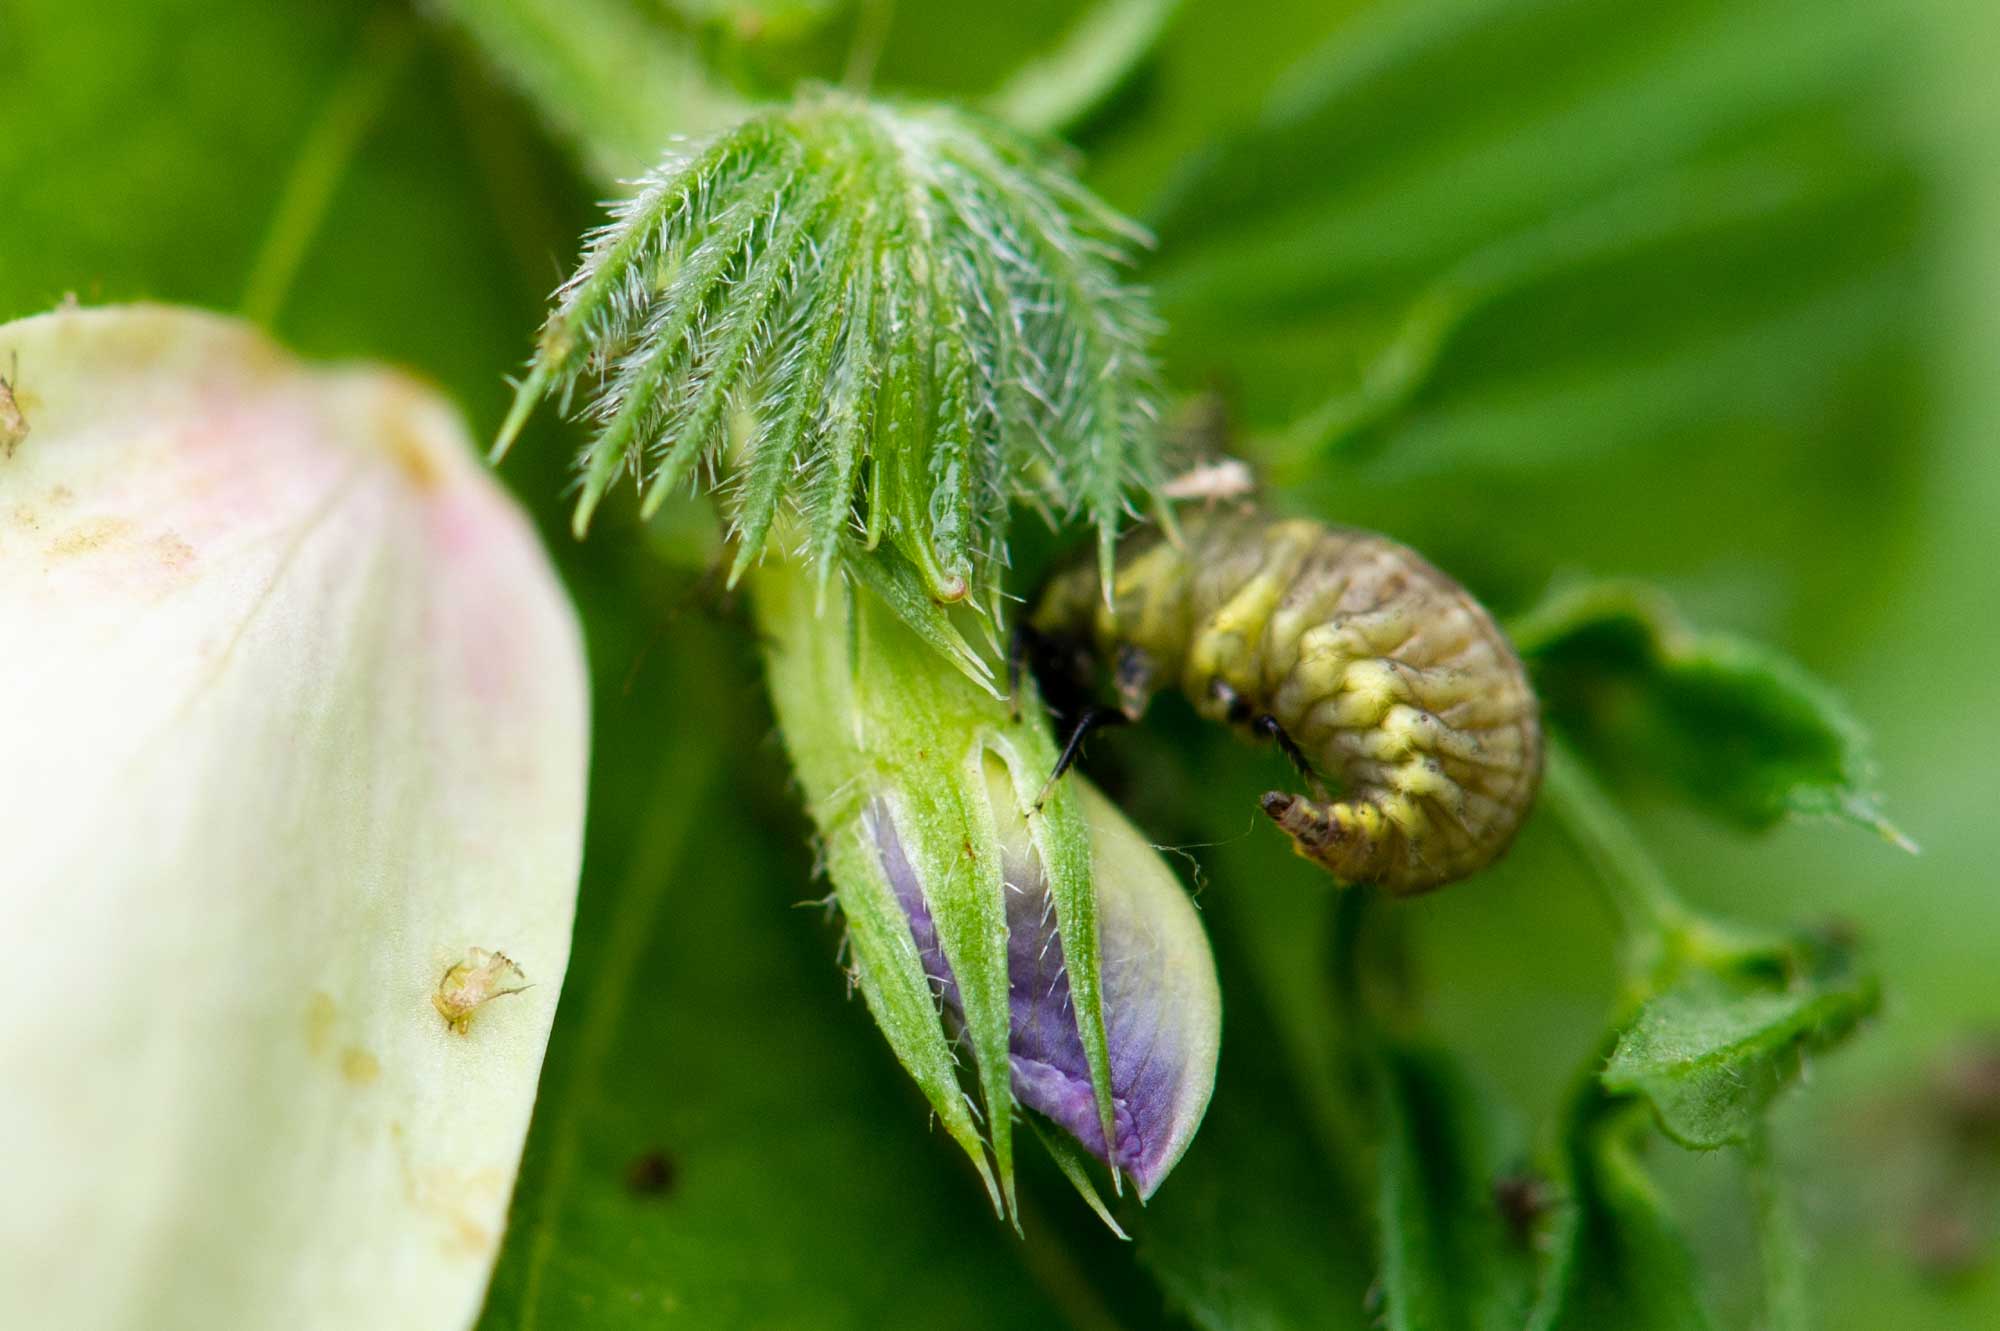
(1368, 666)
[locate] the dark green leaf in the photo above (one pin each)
(1449, 155)
(1712, 1050)
(1253, 1230)
(1732, 724)
(1538, 263)
(614, 82)
(1086, 64)
(1616, 1258)
(1450, 1260)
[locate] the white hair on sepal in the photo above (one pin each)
(926, 323)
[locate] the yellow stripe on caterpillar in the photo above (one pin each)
(1374, 669)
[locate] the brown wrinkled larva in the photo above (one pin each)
(1366, 664)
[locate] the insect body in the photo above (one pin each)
(13, 425)
(1365, 663)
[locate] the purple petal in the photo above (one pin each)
(1162, 1009)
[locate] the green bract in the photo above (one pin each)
(1036, 929)
(920, 320)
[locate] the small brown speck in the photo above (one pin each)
(406, 443)
(173, 552)
(1522, 1198)
(652, 1174)
(1945, 1243)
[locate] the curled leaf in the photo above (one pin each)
(1734, 725)
(1711, 1051)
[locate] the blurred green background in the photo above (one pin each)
(1702, 292)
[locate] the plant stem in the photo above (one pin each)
(615, 83)
(329, 148)
(1662, 934)
(1648, 912)
(871, 30)
(1780, 1250)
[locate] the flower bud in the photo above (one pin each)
(1043, 937)
(293, 730)
(1162, 1009)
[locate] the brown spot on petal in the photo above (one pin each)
(320, 1014)
(172, 552)
(405, 440)
(459, 1199)
(88, 537)
(358, 1067)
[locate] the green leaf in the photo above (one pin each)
(900, 588)
(1450, 1260)
(1063, 845)
(1517, 260)
(1711, 1051)
(614, 83)
(892, 981)
(1252, 1230)
(1063, 84)
(889, 746)
(1616, 1257)
(1732, 724)
(1432, 161)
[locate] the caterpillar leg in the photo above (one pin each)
(1353, 841)
(1093, 718)
(1268, 727)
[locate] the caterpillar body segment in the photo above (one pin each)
(1373, 669)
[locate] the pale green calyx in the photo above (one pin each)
(920, 320)
(1025, 957)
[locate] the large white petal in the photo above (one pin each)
(293, 715)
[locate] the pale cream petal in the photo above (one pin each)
(293, 715)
